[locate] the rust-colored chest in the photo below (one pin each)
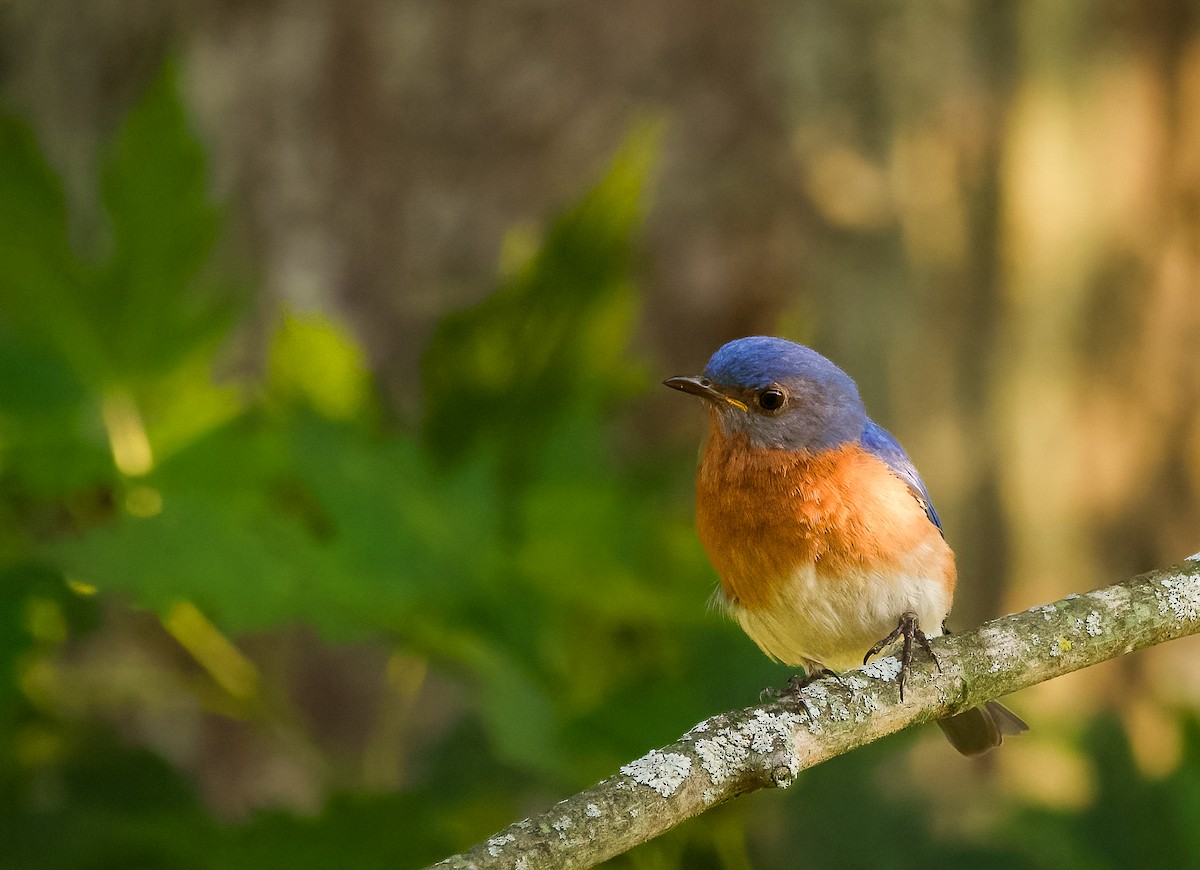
(763, 513)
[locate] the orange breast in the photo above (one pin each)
(763, 513)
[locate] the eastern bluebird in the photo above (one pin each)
(815, 518)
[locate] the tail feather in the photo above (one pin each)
(975, 731)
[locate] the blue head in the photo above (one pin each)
(779, 394)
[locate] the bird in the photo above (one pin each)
(824, 536)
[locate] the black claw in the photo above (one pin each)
(910, 630)
(906, 657)
(792, 690)
(924, 642)
(825, 672)
(875, 650)
(797, 683)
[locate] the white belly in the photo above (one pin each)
(822, 622)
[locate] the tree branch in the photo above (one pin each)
(769, 744)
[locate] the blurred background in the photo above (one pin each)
(343, 519)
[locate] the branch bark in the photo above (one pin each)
(769, 744)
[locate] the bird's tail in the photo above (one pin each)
(975, 731)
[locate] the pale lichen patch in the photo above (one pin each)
(726, 752)
(1092, 624)
(1002, 648)
(721, 755)
(832, 704)
(662, 771)
(813, 699)
(866, 704)
(497, 843)
(886, 668)
(817, 692)
(815, 726)
(771, 730)
(1179, 596)
(1113, 598)
(839, 711)
(593, 811)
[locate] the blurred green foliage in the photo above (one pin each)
(1133, 821)
(501, 539)
(512, 539)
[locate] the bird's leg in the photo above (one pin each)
(811, 675)
(796, 684)
(822, 673)
(908, 628)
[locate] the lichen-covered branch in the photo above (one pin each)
(769, 744)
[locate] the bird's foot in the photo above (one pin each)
(796, 684)
(909, 629)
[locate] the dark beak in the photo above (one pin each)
(704, 388)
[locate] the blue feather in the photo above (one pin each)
(880, 442)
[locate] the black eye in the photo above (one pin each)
(771, 399)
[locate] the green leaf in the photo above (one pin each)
(244, 567)
(148, 305)
(318, 361)
(118, 807)
(36, 608)
(40, 277)
(403, 530)
(519, 716)
(321, 523)
(553, 335)
(34, 379)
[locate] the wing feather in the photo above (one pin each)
(880, 442)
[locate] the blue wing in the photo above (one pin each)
(880, 442)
